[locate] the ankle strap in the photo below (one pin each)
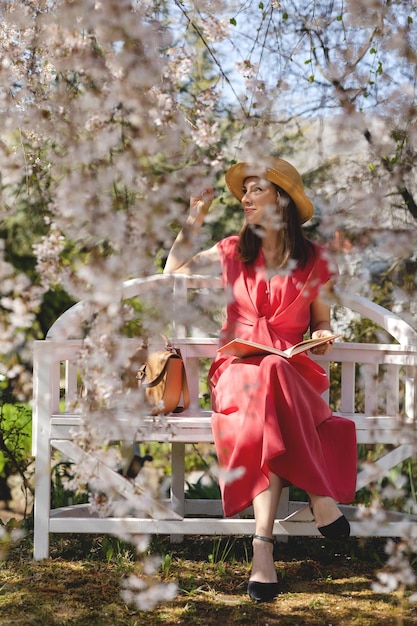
(262, 538)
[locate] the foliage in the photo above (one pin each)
(15, 450)
(203, 490)
(15, 441)
(220, 552)
(61, 493)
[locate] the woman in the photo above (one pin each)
(271, 426)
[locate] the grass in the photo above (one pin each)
(321, 584)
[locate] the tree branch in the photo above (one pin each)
(406, 195)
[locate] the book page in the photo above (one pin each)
(243, 348)
(307, 344)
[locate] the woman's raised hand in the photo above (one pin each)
(200, 204)
(183, 256)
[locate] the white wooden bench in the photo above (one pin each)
(387, 376)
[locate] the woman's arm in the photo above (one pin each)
(320, 324)
(182, 257)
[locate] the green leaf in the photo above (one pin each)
(339, 18)
(233, 21)
(311, 78)
(261, 5)
(285, 16)
(372, 51)
(410, 19)
(307, 61)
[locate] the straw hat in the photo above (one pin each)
(276, 171)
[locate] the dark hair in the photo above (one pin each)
(292, 245)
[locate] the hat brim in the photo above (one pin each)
(237, 174)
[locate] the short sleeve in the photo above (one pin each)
(227, 249)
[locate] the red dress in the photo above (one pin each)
(268, 413)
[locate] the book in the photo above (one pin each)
(242, 348)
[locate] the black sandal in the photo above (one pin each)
(262, 592)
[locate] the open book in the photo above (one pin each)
(242, 347)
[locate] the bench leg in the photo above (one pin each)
(178, 483)
(42, 502)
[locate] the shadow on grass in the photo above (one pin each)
(321, 584)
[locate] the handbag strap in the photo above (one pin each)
(153, 383)
(169, 345)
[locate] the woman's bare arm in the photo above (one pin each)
(205, 263)
(182, 257)
(320, 324)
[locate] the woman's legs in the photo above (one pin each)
(263, 584)
(265, 506)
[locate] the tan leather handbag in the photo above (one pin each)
(164, 380)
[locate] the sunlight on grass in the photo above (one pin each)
(85, 590)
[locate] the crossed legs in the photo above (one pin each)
(265, 506)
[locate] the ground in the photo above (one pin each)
(322, 583)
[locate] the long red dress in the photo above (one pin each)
(268, 413)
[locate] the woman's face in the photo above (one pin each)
(259, 201)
